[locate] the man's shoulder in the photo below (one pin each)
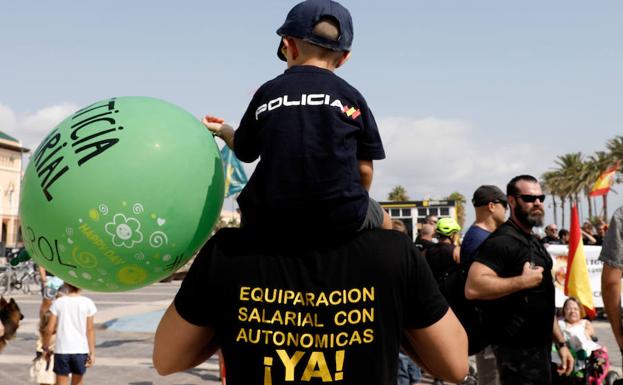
(508, 230)
(504, 236)
(232, 241)
(476, 233)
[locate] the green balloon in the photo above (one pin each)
(121, 194)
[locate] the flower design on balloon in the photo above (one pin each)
(124, 231)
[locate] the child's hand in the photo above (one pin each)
(213, 124)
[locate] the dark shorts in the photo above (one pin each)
(374, 216)
(70, 363)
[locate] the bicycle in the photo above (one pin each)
(22, 277)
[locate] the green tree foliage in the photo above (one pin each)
(460, 207)
(397, 194)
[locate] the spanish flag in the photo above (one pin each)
(605, 180)
(577, 283)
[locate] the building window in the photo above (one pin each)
(422, 212)
(394, 213)
(406, 212)
(433, 211)
(444, 211)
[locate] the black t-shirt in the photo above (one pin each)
(446, 272)
(423, 244)
(524, 318)
(309, 128)
(440, 259)
(550, 240)
(332, 313)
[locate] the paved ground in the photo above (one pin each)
(126, 325)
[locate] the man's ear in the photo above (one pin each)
(491, 207)
(343, 59)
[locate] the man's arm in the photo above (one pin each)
(91, 341)
(566, 359)
(611, 294)
(441, 348)
(589, 238)
(180, 345)
(484, 283)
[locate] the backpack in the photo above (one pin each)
(470, 313)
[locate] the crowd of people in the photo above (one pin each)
(592, 235)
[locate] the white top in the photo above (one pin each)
(71, 329)
(577, 336)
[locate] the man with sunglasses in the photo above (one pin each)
(551, 235)
(512, 273)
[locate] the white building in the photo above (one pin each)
(412, 213)
(11, 152)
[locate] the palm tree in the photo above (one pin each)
(460, 206)
(566, 181)
(549, 183)
(615, 150)
(399, 193)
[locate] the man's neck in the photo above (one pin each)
(525, 228)
(487, 224)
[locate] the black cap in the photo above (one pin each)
(302, 19)
(488, 193)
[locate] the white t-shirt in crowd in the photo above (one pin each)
(71, 330)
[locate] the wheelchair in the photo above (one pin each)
(589, 369)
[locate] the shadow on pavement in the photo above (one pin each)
(113, 343)
(204, 374)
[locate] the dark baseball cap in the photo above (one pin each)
(302, 19)
(488, 193)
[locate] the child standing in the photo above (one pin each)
(313, 132)
(74, 351)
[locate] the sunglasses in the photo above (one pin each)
(503, 203)
(531, 198)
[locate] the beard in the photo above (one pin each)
(530, 218)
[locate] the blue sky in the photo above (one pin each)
(464, 92)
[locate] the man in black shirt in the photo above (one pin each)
(332, 312)
(424, 239)
(512, 269)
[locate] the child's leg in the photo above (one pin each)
(62, 379)
(387, 221)
(78, 368)
(76, 379)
